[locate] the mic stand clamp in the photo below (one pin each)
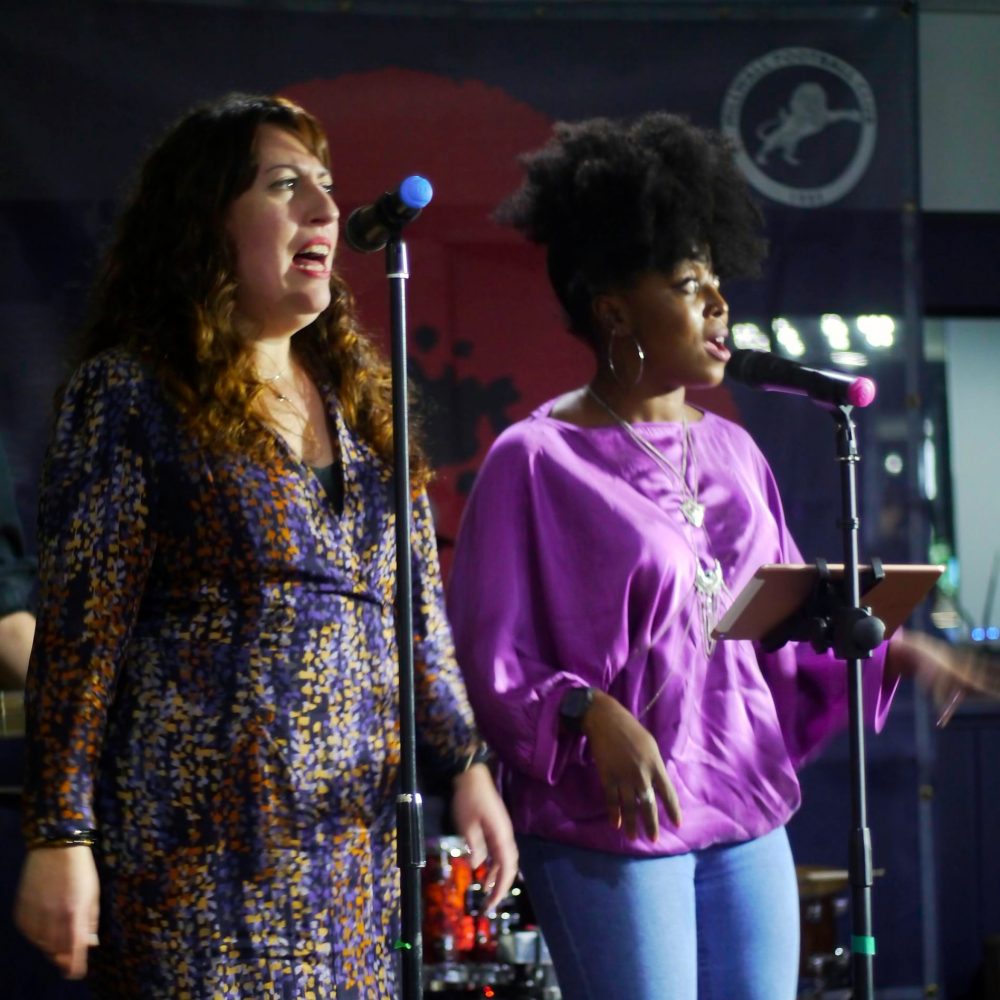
(827, 619)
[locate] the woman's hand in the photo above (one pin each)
(57, 905)
(481, 818)
(947, 673)
(631, 768)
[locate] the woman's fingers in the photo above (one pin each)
(629, 809)
(73, 939)
(83, 937)
(950, 707)
(630, 805)
(499, 880)
(481, 818)
(632, 771)
(668, 795)
(946, 672)
(58, 903)
(502, 852)
(650, 812)
(614, 806)
(476, 843)
(660, 789)
(56, 935)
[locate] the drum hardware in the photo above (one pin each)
(826, 976)
(11, 713)
(469, 951)
(825, 963)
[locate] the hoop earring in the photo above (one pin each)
(640, 354)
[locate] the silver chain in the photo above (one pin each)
(691, 508)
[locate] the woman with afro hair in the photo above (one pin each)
(649, 770)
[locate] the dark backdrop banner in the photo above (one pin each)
(821, 108)
(819, 100)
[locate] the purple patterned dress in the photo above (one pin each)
(213, 688)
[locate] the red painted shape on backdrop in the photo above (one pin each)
(487, 342)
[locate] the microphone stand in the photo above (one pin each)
(856, 633)
(410, 846)
(833, 617)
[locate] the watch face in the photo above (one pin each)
(575, 702)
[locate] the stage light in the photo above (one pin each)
(878, 331)
(788, 337)
(836, 331)
(750, 337)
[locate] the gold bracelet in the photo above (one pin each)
(480, 754)
(75, 838)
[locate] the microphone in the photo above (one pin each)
(763, 370)
(370, 227)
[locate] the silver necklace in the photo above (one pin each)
(269, 382)
(691, 508)
(709, 584)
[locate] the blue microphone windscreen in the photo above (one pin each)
(416, 191)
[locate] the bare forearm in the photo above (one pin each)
(17, 631)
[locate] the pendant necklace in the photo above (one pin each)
(693, 511)
(299, 420)
(709, 584)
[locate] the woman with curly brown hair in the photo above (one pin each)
(212, 700)
(649, 769)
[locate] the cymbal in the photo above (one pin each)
(820, 880)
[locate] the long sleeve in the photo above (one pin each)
(96, 546)
(445, 726)
(505, 604)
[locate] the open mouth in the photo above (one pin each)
(716, 346)
(314, 258)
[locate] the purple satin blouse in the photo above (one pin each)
(575, 566)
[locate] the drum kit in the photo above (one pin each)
(469, 952)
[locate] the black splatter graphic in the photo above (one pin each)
(451, 407)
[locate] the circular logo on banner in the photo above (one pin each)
(804, 125)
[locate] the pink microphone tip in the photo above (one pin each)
(861, 392)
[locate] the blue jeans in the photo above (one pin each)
(717, 924)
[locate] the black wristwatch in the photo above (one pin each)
(573, 706)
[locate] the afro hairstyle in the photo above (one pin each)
(612, 200)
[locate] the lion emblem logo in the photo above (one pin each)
(804, 125)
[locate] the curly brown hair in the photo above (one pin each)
(167, 287)
(612, 200)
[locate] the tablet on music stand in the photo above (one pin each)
(777, 591)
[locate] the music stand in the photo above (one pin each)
(784, 601)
